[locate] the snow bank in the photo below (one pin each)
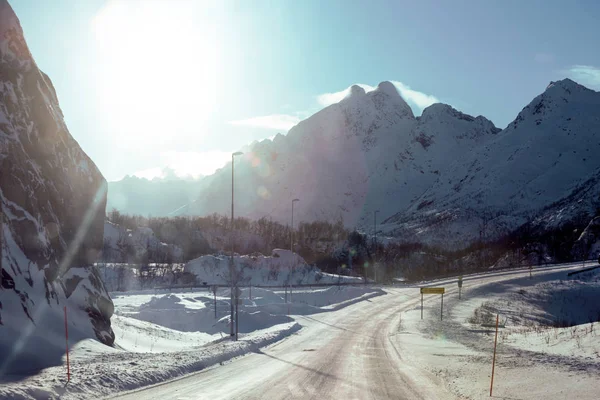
(532, 362)
(165, 336)
(32, 326)
(97, 372)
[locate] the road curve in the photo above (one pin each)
(345, 354)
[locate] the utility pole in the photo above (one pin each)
(292, 233)
(375, 243)
(1, 225)
(1, 235)
(231, 264)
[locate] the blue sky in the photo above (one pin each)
(181, 84)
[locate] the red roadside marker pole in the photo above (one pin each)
(494, 359)
(67, 346)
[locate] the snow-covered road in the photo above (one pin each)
(344, 354)
(352, 353)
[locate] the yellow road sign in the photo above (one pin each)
(432, 290)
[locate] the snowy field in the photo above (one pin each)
(160, 336)
(539, 356)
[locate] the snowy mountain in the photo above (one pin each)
(443, 178)
(364, 153)
(542, 168)
(156, 197)
(52, 200)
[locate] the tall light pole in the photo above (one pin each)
(292, 233)
(375, 242)
(231, 267)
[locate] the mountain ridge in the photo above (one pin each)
(369, 152)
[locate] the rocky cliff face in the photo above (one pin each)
(52, 200)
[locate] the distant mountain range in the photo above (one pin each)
(156, 197)
(444, 177)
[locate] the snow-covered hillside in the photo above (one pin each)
(52, 200)
(544, 162)
(281, 268)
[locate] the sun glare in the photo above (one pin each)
(159, 68)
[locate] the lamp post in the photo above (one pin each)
(292, 233)
(375, 243)
(231, 267)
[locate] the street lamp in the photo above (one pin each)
(292, 233)
(375, 243)
(231, 267)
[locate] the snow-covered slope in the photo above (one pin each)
(544, 163)
(52, 200)
(367, 152)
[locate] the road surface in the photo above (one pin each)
(347, 354)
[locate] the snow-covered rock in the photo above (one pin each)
(52, 200)
(281, 268)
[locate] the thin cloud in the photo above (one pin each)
(276, 121)
(327, 99)
(413, 97)
(585, 74)
(419, 99)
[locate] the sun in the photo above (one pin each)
(158, 67)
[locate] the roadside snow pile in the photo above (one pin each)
(331, 295)
(163, 336)
(559, 303)
(281, 268)
(139, 336)
(533, 360)
(559, 317)
(99, 371)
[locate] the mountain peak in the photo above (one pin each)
(13, 47)
(356, 90)
(388, 88)
(565, 84)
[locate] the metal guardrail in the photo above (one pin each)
(208, 286)
(583, 270)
